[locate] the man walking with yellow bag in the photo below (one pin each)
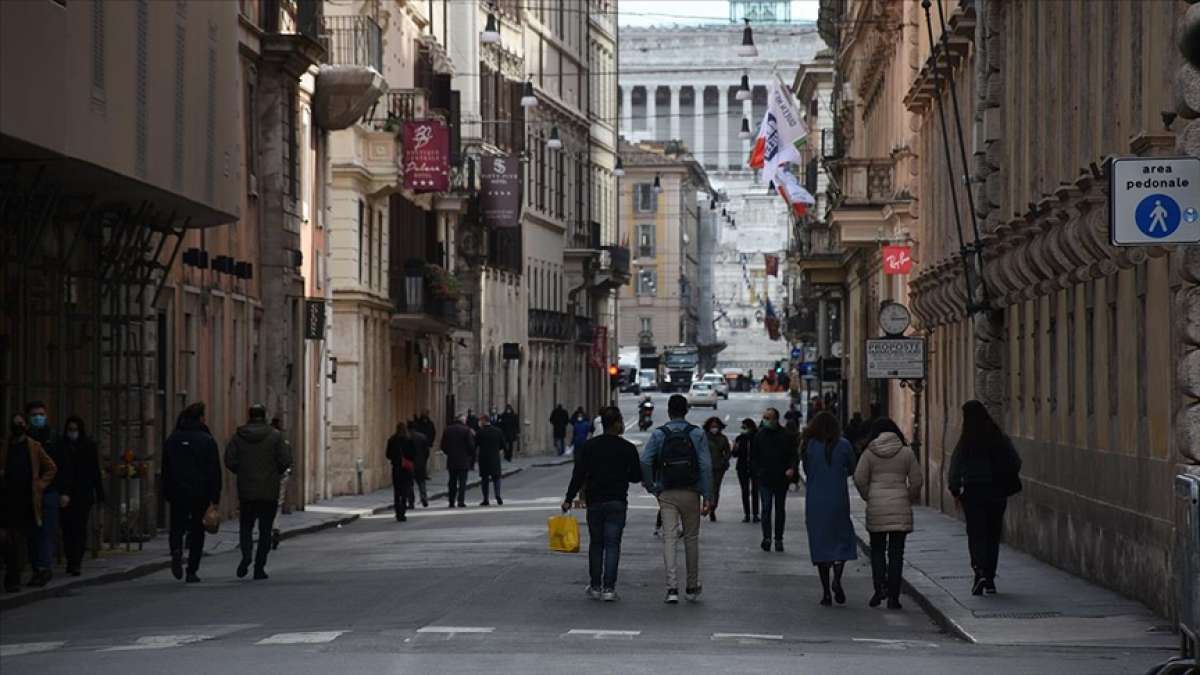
(605, 466)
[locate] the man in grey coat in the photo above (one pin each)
(259, 456)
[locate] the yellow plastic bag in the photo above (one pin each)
(564, 534)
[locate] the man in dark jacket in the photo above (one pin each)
(425, 426)
(510, 424)
(604, 468)
(420, 458)
(458, 443)
(559, 419)
(191, 477)
(259, 456)
(490, 442)
(400, 454)
(82, 488)
(774, 458)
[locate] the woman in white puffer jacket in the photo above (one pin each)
(888, 477)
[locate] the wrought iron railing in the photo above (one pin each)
(352, 41)
(584, 329)
(546, 324)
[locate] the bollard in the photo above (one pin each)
(358, 468)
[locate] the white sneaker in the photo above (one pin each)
(672, 596)
(593, 593)
(693, 594)
(610, 595)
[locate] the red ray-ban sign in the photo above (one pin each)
(599, 346)
(897, 259)
(426, 156)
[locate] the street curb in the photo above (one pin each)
(149, 567)
(924, 590)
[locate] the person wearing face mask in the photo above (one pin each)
(745, 473)
(43, 547)
(26, 470)
(82, 487)
(774, 458)
(718, 445)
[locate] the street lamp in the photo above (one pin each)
(745, 131)
(743, 91)
(747, 49)
(554, 142)
(619, 169)
(528, 100)
(491, 33)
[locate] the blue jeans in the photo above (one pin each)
(42, 545)
(606, 523)
(560, 445)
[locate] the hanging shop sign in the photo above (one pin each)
(501, 198)
(897, 259)
(1154, 200)
(426, 156)
(896, 359)
(314, 319)
(599, 346)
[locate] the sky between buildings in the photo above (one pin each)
(692, 12)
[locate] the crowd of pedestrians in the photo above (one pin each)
(682, 466)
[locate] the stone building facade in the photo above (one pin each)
(1083, 351)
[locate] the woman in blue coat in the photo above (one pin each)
(581, 428)
(828, 463)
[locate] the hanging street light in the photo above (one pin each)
(554, 142)
(743, 91)
(747, 49)
(491, 33)
(657, 183)
(619, 169)
(528, 100)
(745, 131)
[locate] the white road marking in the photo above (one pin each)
(159, 642)
(317, 508)
(745, 636)
(598, 634)
(456, 629)
(310, 638)
(896, 644)
(471, 511)
(19, 648)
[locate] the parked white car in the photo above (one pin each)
(718, 382)
(702, 394)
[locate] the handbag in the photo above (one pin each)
(211, 520)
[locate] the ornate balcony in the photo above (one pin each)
(420, 301)
(350, 83)
(545, 324)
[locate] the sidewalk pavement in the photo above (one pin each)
(120, 565)
(1037, 603)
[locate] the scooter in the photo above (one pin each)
(645, 417)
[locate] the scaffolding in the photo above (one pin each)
(80, 278)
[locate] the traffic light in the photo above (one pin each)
(614, 375)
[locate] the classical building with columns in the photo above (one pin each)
(671, 90)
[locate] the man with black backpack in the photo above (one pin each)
(677, 468)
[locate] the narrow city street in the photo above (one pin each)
(477, 591)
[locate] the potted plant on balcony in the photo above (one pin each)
(446, 289)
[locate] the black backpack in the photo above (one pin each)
(678, 466)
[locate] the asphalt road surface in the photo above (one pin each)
(477, 591)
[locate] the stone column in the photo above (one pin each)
(627, 110)
(723, 158)
(651, 111)
(698, 131)
(674, 112)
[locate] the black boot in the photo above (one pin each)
(177, 564)
(823, 571)
(877, 598)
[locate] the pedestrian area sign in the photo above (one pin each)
(1154, 200)
(896, 359)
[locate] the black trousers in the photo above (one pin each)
(508, 448)
(262, 513)
(486, 480)
(187, 517)
(985, 527)
(749, 486)
(774, 499)
(74, 522)
(16, 551)
(456, 492)
(887, 561)
(402, 491)
(412, 496)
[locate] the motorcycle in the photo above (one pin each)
(645, 416)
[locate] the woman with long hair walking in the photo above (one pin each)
(828, 461)
(984, 472)
(889, 478)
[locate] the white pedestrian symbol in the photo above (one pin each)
(1158, 217)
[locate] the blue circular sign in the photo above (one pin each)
(1157, 216)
